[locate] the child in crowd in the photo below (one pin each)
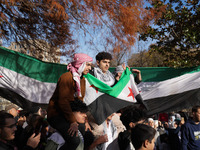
(143, 137)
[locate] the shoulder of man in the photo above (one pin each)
(66, 75)
(188, 123)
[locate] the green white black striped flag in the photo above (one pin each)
(27, 81)
(169, 89)
(104, 100)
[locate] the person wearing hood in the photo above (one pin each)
(190, 131)
(70, 85)
(138, 78)
(120, 69)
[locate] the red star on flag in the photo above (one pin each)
(131, 93)
(1, 76)
(95, 88)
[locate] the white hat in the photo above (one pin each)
(150, 119)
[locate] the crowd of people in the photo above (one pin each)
(68, 125)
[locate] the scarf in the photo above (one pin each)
(107, 77)
(77, 67)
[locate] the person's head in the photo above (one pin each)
(7, 126)
(151, 122)
(177, 116)
(131, 116)
(38, 124)
(172, 118)
(142, 137)
(36, 110)
(79, 110)
(103, 61)
(118, 72)
(33, 120)
(43, 113)
(196, 113)
(81, 63)
(166, 125)
(12, 109)
(23, 114)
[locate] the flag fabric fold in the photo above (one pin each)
(104, 100)
(172, 94)
(27, 81)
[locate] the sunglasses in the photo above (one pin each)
(12, 125)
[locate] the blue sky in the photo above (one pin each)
(85, 37)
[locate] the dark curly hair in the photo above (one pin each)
(132, 114)
(78, 106)
(103, 55)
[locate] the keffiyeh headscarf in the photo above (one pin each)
(77, 67)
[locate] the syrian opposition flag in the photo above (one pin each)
(27, 81)
(167, 89)
(104, 100)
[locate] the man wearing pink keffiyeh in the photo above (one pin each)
(70, 86)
